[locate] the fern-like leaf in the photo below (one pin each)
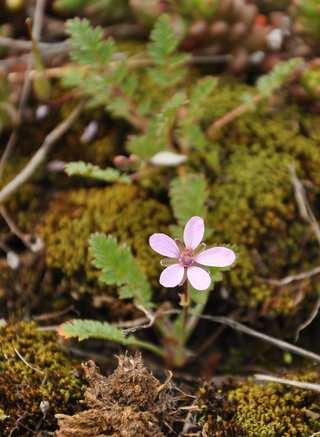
(87, 44)
(270, 82)
(164, 40)
(188, 197)
(84, 329)
(120, 268)
(88, 170)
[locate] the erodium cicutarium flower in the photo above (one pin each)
(187, 261)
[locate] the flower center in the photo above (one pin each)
(186, 258)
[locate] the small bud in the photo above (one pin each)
(120, 161)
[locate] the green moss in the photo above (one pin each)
(272, 410)
(34, 374)
(253, 204)
(121, 210)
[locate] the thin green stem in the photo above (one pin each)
(185, 301)
(148, 346)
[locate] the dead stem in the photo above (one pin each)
(26, 363)
(227, 118)
(292, 278)
(36, 33)
(303, 204)
(40, 155)
(297, 384)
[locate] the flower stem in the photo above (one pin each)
(185, 303)
(148, 346)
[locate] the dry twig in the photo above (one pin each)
(41, 154)
(292, 383)
(36, 32)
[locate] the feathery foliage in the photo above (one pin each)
(169, 64)
(87, 44)
(88, 170)
(164, 41)
(84, 329)
(119, 267)
(188, 196)
(270, 82)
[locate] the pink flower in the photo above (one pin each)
(187, 261)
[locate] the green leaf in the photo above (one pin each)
(156, 139)
(166, 117)
(188, 196)
(88, 170)
(120, 268)
(83, 329)
(164, 40)
(87, 43)
(200, 94)
(270, 82)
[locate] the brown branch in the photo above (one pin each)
(227, 118)
(36, 33)
(292, 383)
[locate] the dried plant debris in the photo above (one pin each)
(130, 402)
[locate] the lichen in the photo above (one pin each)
(121, 210)
(272, 410)
(37, 380)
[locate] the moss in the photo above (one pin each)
(36, 379)
(253, 204)
(121, 210)
(216, 413)
(272, 410)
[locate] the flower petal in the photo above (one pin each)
(165, 245)
(172, 275)
(198, 278)
(216, 257)
(193, 232)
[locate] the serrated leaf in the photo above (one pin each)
(88, 170)
(200, 93)
(188, 196)
(83, 329)
(120, 268)
(270, 82)
(87, 43)
(164, 40)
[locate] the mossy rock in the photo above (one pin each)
(124, 211)
(273, 410)
(37, 380)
